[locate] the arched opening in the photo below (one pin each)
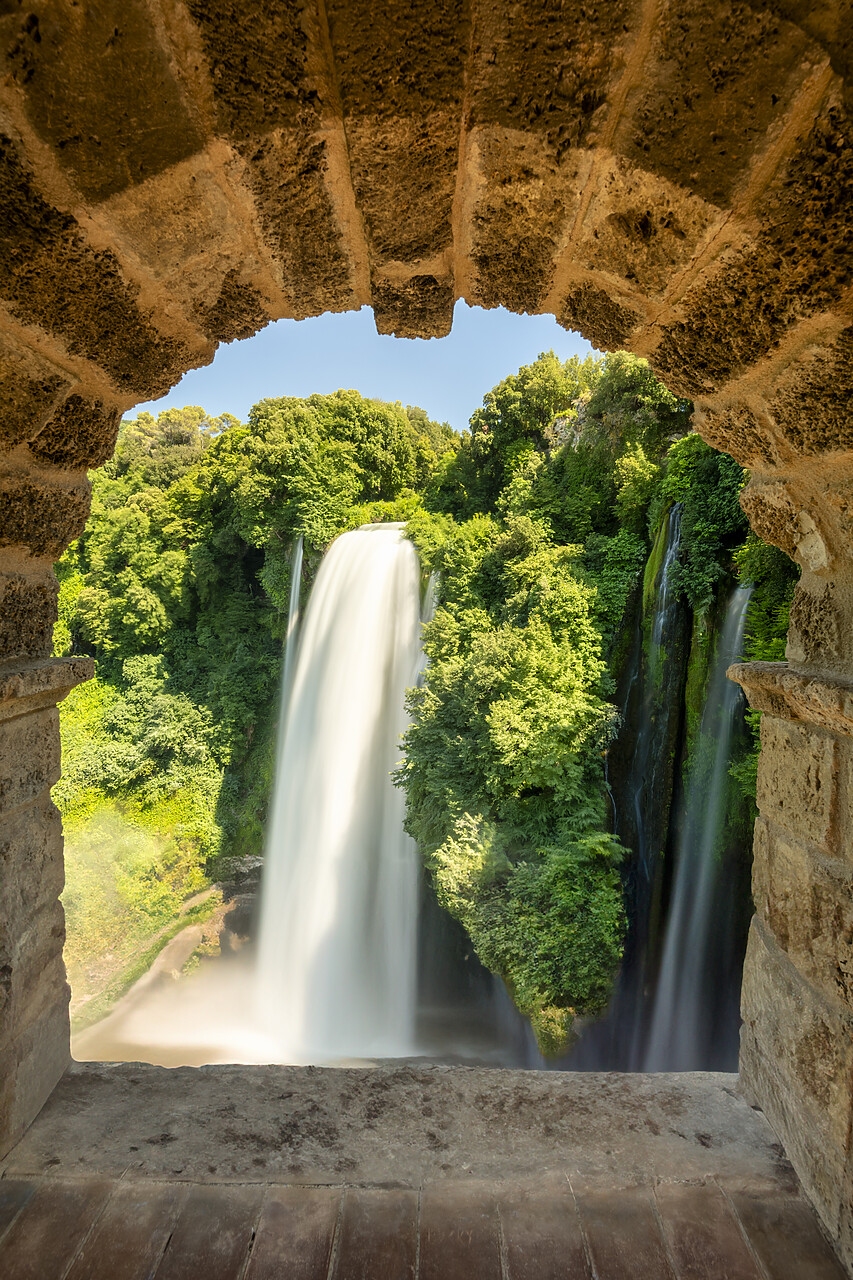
(449, 158)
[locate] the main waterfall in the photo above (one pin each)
(338, 942)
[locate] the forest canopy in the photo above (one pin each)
(540, 522)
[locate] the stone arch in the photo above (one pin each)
(672, 179)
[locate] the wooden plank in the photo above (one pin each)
(14, 1194)
(542, 1234)
(784, 1232)
(213, 1235)
(45, 1237)
(379, 1236)
(623, 1235)
(703, 1234)
(295, 1235)
(459, 1237)
(129, 1237)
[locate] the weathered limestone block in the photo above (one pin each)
(797, 1061)
(30, 1066)
(694, 138)
(32, 971)
(34, 1029)
(820, 637)
(641, 228)
(736, 429)
(414, 306)
(806, 900)
(29, 757)
(30, 387)
(797, 779)
(105, 141)
(28, 610)
(80, 433)
(32, 873)
(811, 403)
(788, 694)
(42, 512)
(769, 507)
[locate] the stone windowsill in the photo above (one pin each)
(35, 685)
(775, 688)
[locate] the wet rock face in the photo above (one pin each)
(674, 179)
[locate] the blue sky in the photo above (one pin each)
(446, 376)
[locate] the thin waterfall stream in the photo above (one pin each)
(649, 714)
(685, 1034)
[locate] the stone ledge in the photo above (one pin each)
(40, 684)
(400, 1125)
(775, 688)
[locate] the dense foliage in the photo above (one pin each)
(544, 523)
(544, 528)
(179, 586)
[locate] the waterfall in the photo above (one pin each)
(640, 801)
(338, 941)
(292, 633)
(647, 752)
(685, 1034)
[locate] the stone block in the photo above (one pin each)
(32, 871)
(52, 277)
(797, 779)
(30, 1067)
(29, 757)
(641, 228)
(811, 405)
(596, 314)
(29, 388)
(33, 978)
(806, 900)
(413, 308)
(40, 684)
(778, 689)
(27, 613)
(81, 433)
(693, 138)
(41, 513)
(62, 56)
(523, 200)
(797, 1062)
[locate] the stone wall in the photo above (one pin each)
(797, 999)
(675, 179)
(33, 992)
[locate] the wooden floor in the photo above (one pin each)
(98, 1229)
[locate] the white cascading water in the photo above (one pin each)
(337, 955)
(292, 633)
(681, 1037)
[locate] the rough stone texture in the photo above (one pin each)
(79, 434)
(34, 995)
(594, 312)
(398, 1125)
(797, 779)
(61, 55)
(806, 901)
(788, 694)
(29, 389)
(28, 612)
(417, 306)
(797, 1056)
(41, 512)
(797, 998)
(29, 757)
(673, 178)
